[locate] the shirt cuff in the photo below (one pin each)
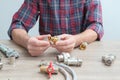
(98, 28)
(14, 26)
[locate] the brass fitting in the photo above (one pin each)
(63, 57)
(53, 39)
(44, 68)
(108, 59)
(83, 45)
(73, 62)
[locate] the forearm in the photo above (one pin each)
(86, 36)
(21, 37)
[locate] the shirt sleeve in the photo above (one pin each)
(25, 17)
(94, 17)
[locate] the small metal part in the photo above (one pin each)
(43, 69)
(69, 70)
(0, 57)
(12, 60)
(8, 51)
(50, 69)
(108, 59)
(1, 65)
(73, 62)
(83, 45)
(53, 39)
(63, 57)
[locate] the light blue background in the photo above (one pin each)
(111, 16)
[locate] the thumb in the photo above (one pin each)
(43, 37)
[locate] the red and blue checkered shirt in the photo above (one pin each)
(59, 16)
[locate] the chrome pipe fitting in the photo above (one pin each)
(64, 56)
(108, 59)
(73, 62)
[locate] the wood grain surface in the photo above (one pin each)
(27, 67)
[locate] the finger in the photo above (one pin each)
(42, 37)
(37, 48)
(64, 42)
(34, 53)
(66, 47)
(36, 42)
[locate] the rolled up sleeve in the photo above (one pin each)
(94, 17)
(25, 17)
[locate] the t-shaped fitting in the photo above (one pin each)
(64, 56)
(108, 59)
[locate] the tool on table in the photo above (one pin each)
(8, 51)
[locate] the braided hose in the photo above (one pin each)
(68, 69)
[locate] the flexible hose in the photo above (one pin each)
(68, 69)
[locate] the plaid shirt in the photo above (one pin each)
(59, 16)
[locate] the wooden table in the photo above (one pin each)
(26, 67)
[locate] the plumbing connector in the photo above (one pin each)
(12, 60)
(8, 51)
(73, 62)
(63, 57)
(49, 69)
(0, 57)
(1, 65)
(108, 59)
(53, 39)
(83, 45)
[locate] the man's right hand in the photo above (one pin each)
(37, 45)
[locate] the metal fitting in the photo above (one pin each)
(8, 51)
(53, 39)
(1, 65)
(44, 68)
(0, 58)
(64, 56)
(83, 45)
(108, 59)
(12, 60)
(73, 62)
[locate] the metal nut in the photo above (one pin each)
(83, 45)
(108, 59)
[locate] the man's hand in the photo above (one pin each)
(66, 43)
(37, 45)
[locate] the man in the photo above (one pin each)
(75, 21)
